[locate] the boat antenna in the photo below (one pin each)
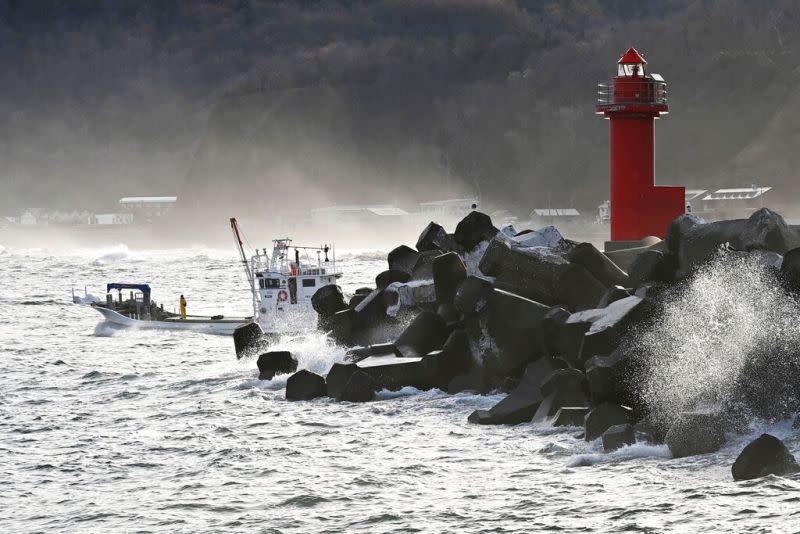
(240, 245)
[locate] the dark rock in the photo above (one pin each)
(695, 433)
(766, 455)
(328, 300)
(379, 349)
(473, 229)
(364, 291)
(541, 274)
(448, 274)
(426, 333)
(403, 258)
(337, 378)
(520, 405)
(625, 257)
(433, 237)
(604, 417)
(359, 388)
(763, 230)
(480, 417)
(617, 437)
(515, 324)
(609, 378)
(561, 338)
(387, 277)
(653, 266)
(608, 325)
(790, 270)
(246, 339)
(598, 265)
(305, 385)
(454, 359)
(509, 384)
(613, 294)
(564, 387)
(370, 312)
(571, 416)
(405, 298)
(393, 373)
(473, 295)
(341, 326)
(564, 380)
(769, 381)
(678, 229)
(275, 363)
(473, 382)
(355, 300)
(423, 269)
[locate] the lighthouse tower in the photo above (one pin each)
(631, 102)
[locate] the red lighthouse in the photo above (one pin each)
(632, 102)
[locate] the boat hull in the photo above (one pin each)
(203, 325)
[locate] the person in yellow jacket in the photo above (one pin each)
(183, 307)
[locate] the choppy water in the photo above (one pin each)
(104, 430)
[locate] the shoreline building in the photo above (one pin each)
(147, 209)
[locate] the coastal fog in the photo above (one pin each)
(271, 109)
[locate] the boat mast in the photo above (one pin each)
(250, 278)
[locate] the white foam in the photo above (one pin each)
(114, 254)
(630, 452)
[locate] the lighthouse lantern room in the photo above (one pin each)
(631, 102)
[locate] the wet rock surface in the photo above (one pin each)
(766, 455)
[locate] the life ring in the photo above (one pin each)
(282, 295)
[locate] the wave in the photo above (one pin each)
(114, 254)
(710, 333)
(629, 452)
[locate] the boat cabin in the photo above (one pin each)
(291, 275)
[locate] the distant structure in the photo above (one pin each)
(736, 202)
(105, 219)
(632, 101)
(356, 214)
(554, 216)
(450, 208)
(147, 209)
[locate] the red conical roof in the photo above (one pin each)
(631, 56)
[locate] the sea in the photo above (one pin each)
(108, 430)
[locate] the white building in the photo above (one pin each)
(451, 208)
(356, 214)
(33, 217)
(147, 209)
(112, 218)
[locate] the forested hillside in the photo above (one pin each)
(245, 102)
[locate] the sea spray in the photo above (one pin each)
(705, 343)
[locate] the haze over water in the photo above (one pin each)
(106, 430)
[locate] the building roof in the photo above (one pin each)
(387, 211)
(739, 193)
(556, 212)
(631, 56)
(377, 209)
(692, 194)
(148, 200)
(449, 202)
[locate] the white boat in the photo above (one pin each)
(139, 311)
(283, 282)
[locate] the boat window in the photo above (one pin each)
(271, 283)
(309, 282)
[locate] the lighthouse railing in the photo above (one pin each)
(633, 91)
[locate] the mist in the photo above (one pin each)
(256, 108)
